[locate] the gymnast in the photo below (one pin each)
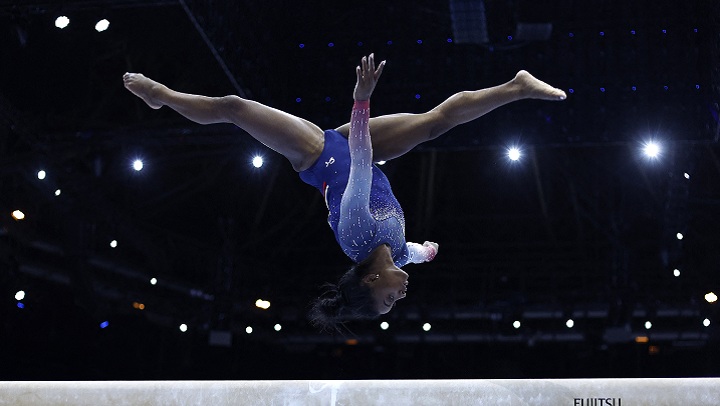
(365, 216)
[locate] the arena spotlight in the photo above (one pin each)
(248, 330)
(57, 192)
(651, 149)
(426, 327)
(18, 215)
(706, 322)
(381, 162)
(41, 174)
(384, 325)
(138, 165)
(570, 323)
(676, 272)
(257, 161)
(514, 154)
(517, 324)
(183, 327)
(113, 243)
(278, 327)
(62, 22)
(262, 304)
(153, 281)
(710, 297)
(20, 295)
(104, 324)
(102, 25)
(648, 325)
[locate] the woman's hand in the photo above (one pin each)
(367, 77)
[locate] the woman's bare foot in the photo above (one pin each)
(143, 88)
(534, 88)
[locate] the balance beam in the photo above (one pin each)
(555, 392)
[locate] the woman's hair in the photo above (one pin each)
(349, 299)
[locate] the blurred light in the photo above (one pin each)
(449, 40)
(710, 297)
(641, 339)
(263, 304)
(602, 89)
(706, 322)
(384, 325)
(602, 33)
(679, 236)
(138, 306)
(153, 281)
(104, 324)
(686, 175)
(248, 330)
(113, 243)
(298, 100)
(331, 44)
(278, 327)
(20, 305)
(517, 324)
(653, 349)
(41, 175)
(18, 215)
(570, 323)
(648, 325)
(102, 25)
(419, 41)
(514, 154)
(427, 327)
(381, 162)
(62, 22)
(417, 96)
(571, 35)
(302, 45)
(651, 149)
(57, 192)
(257, 161)
(351, 341)
(183, 327)
(138, 165)
(676, 272)
(20, 295)
(634, 88)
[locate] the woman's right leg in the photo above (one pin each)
(299, 140)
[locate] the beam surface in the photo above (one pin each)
(580, 392)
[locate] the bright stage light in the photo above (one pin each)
(20, 295)
(104, 324)
(686, 175)
(113, 243)
(710, 297)
(427, 327)
(651, 149)
(18, 215)
(278, 327)
(679, 236)
(381, 162)
(706, 322)
(248, 330)
(384, 325)
(648, 325)
(138, 165)
(41, 174)
(257, 161)
(183, 327)
(62, 22)
(57, 192)
(153, 281)
(514, 154)
(263, 304)
(517, 324)
(570, 323)
(676, 272)
(102, 25)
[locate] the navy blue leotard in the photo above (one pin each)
(363, 212)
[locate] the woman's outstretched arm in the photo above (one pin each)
(356, 224)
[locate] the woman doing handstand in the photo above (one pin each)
(366, 218)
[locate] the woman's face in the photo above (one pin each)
(388, 285)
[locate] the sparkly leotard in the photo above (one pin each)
(363, 212)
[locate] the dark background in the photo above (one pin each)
(582, 227)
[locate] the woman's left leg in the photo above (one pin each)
(396, 134)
